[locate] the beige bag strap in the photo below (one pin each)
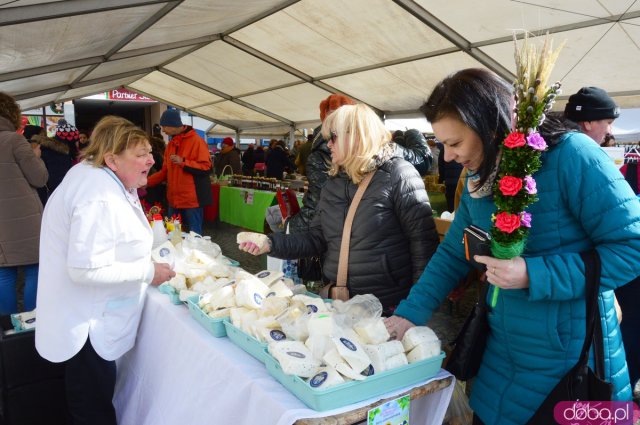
(343, 262)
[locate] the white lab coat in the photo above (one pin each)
(91, 222)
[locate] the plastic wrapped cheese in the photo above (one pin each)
(279, 289)
(352, 352)
(424, 350)
(372, 331)
(294, 358)
(273, 306)
(326, 377)
(269, 277)
(250, 293)
(263, 327)
(314, 305)
(320, 345)
(349, 372)
(416, 335)
(223, 298)
(332, 357)
(184, 294)
(321, 324)
(165, 253)
(235, 315)
(218, 314)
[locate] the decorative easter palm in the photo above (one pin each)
(515, 187)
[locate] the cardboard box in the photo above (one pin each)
(442, 226)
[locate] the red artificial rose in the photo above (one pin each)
(510, 186)
(515, 140)
(507, 222)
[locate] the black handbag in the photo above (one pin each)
(310, 269)
(581, 382)
(468, 347)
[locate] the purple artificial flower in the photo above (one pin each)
(525, 219)
(535, 141)
(530, 185)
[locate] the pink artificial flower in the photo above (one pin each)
(530, 185)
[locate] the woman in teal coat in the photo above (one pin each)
(537, 326)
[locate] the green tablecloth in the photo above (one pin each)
(245, 207)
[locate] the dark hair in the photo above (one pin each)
(10, 110)
(555, 125)
(483, 102)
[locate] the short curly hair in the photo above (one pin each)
(10, 110)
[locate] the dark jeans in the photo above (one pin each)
(90, 382)
(628, 297)
(192, 217)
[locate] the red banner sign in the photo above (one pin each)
(124, 94)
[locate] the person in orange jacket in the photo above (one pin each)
(186, 169)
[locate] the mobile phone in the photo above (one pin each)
(476, 242)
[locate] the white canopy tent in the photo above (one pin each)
(263, 66)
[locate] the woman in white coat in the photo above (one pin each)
(96, 263)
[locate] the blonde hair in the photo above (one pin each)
(360, 137)
(112, 135)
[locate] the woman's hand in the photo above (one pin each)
(397, 326)
(506, 274)
(255, 249)
(162, 273)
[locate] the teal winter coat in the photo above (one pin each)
(537, 333)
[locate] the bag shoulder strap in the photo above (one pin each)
(343, 262)
(593, 333)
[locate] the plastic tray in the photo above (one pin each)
(214, 326)
(174, 296)
(354, 391)
(245, 341)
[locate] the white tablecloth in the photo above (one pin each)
(178, 374)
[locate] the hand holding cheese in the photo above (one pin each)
(253, 243)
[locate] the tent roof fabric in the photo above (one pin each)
(263, 66)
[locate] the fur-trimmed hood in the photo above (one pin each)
(54, 145)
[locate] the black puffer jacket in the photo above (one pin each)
(392, 238)
(414, 150)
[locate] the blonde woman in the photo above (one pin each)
(96, 264)
(393, 234)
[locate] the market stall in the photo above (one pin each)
(179, 374)
(246, 207)
(211, 211)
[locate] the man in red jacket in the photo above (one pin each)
(186, 169)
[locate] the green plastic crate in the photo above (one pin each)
(354, 391)
(245, 341)
(214, 326)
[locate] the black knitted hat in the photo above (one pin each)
(591, 104)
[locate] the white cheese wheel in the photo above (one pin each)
(326, 377)
(269, 277)
(250, 293)
(279, 289)
(372, 331)
(294, 358)
(349, 372)
(425, 350)
(377, 360)
(257, 238)
(416, 335)
(396, 361)
(353, 353)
